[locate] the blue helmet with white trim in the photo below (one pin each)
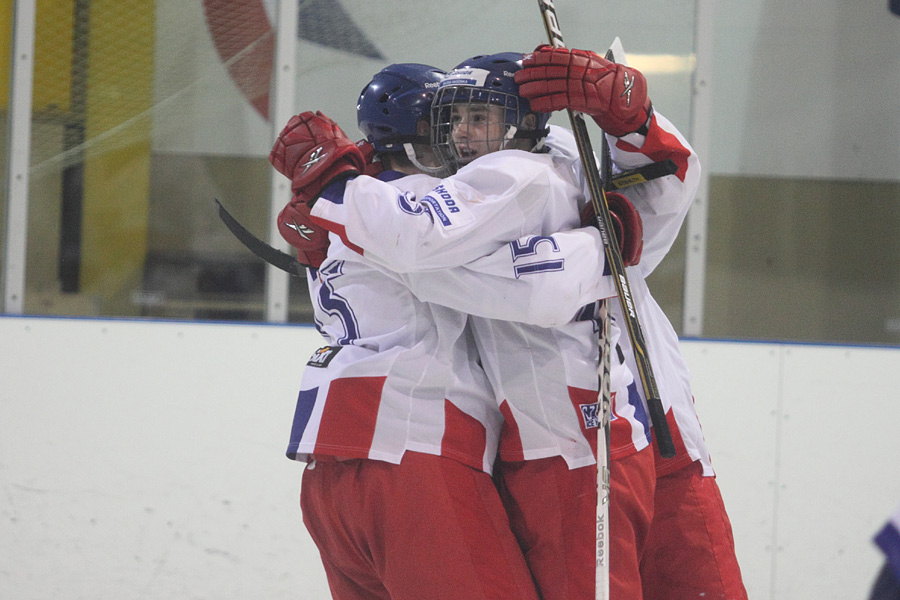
(393, 102)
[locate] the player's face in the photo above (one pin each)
(477, 129)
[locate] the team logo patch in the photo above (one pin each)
(590, 413)
(445, 209)
(410, 205)
(323, 356)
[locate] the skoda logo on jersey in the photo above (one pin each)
(323, 356)
(442, 207)
(590, 413)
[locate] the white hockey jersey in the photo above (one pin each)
(545, 379)
(663, 205)
(396, 374)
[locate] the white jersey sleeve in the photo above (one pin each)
(537, 280)
(662, 203)
(428, 226)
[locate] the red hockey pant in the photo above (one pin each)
(690, 549)
(428, 528)
(553, 512)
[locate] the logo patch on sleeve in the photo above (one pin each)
(323, 356)
(447, 210)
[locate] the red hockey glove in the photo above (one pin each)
(615, 95)
(296, 226)
(312, 150)
(626, 222)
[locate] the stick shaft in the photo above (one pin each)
(613, 255)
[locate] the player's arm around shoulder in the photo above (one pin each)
(500, 176)
(662, 203)
(466, 216)
(382, 219)
(537, 280)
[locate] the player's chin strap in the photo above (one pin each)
(406, 142)
(538, 135)
(440, 171)
(511, 132)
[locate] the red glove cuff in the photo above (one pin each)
(626, 223)
(341, 168)
(296, 226)
(373, 166)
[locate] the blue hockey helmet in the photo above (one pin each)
(392, 103)
(483, 79)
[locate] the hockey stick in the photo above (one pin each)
(288, 263)
(639, 175)
(601, 571)
(271, 255)
(613, 255)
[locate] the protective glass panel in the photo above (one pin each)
(801, 259)
(342, 44)
(804, 199)
(143, 113)
(6, 17)
(658, 39)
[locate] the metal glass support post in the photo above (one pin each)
(20, 95)
(281, 109)
(701, 118)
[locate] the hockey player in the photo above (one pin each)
(546, 379)
(690, 547)
(394, 417)
(658, 144)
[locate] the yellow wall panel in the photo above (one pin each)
(117, 157)
(6, 16)
(53, 55)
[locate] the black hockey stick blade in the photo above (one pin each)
(642, 174)
(273, 256)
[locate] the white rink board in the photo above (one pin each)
(145, 459)
(804, 442)
(837, 469)
(736, 395)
